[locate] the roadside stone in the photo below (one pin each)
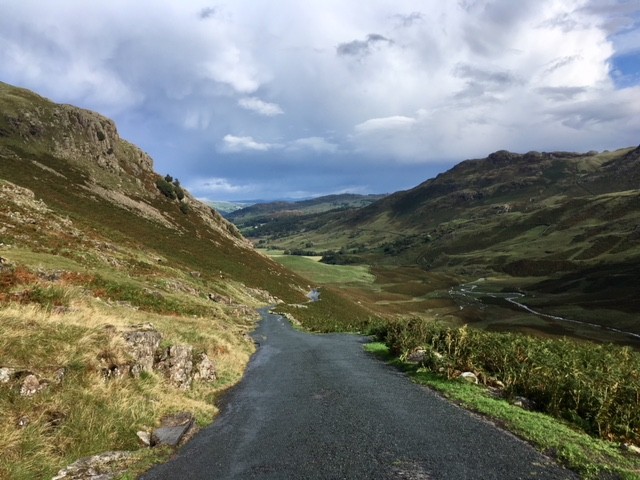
(205, 370)
(105, 466)
(631, 448)
(31, 385)
(145, 437)
(172, 429)
(469, 377)
(6, 374)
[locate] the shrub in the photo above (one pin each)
(167, 189)
(596, 387)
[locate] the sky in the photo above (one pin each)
(270, 99)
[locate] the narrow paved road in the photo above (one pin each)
(319, 407)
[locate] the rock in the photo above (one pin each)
(469, 377)
(172, 429)
(417, 356)
(23, 421)
(58, 375)
(195, 274)
(145, 437)
(205, 370)
(177, 364)
(143, 340)
(523, 402)
(105, 466)
(631, 448)
(6, 374)
(31, 385)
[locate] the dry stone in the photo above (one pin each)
(469, 377)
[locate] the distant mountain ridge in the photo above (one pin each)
(264, 212)
(562, 224)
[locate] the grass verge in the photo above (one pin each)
(590, 457)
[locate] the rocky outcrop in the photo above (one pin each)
(177, 363)
(143, 341)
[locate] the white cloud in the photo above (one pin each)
(317, 144)
(218, 186)
(263, 108)
(240, 144)
(386, 124)
(415, 82)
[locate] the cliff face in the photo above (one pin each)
(112, 168)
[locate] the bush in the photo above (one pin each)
(596, 387)
(167, 189)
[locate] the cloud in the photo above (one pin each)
(258, 106)
(218, 186)
(207, 12)
(362, 47)
(402, 86)
(317, 144)
(233, 144)
(376, 125)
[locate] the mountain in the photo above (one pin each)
(248, 218)
(562, 227)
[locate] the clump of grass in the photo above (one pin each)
(595, 387)
(84, 414)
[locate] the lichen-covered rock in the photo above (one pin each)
(176, 363)
(205, 370)
(105, 466)
(143, 341)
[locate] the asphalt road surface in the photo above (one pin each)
(320, 407)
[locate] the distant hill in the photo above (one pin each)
(249, 217)
(561, 225)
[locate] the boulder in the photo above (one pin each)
(417, 356)
(145, 437)
(6, 374)
(172, 429)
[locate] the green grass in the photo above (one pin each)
(591, 457)
(321, 273)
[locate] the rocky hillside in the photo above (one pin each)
(125, 303)
(564, 227)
